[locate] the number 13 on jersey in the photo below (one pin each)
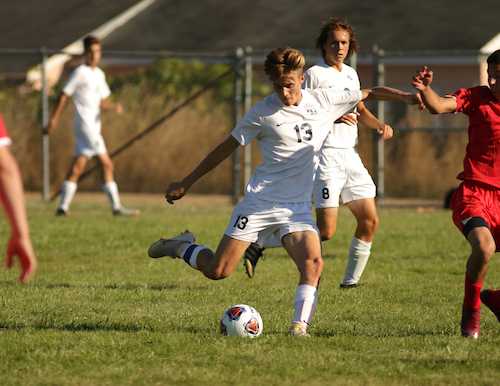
(304, 132)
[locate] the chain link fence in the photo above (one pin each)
(167, 127)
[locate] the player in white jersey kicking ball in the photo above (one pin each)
(290, 127)
(341, 175)
(90, 93)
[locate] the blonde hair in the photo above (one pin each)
(281, 61)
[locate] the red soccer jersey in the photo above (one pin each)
(4, 136)
(482, 156)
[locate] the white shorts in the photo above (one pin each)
(90, 147)
(342, 177)
(253, 219)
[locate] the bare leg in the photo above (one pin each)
(365, 212)
(225, 260)
(326, 219)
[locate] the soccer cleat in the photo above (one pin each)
(349, 286)
(122, 211)
(252, 255)
(61, 212)
(470, 323)
(298, 329)
(170, 247)
(487, 301)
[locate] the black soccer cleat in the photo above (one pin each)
(60, 212)
(252, 255)
(349, 286)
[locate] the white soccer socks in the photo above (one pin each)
(111, 190)
(189, 252)
(306, 299)
(359, 252)
(68, 191)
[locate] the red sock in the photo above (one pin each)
(471, 294)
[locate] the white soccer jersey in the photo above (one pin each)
(289, 138)
(87, 86)
(324, 76)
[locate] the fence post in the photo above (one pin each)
(45, 136)
(237, 113)
(378, 141)
(247, 152)
(353, 61)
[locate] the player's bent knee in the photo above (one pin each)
(370, 225)
(108, 167)
(75, 172)
(486, 249)
(313, 267)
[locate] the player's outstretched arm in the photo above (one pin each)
(56, 113)
(11, 193)
(177, 190)
(391, 94)
(435, 103)
(368, 119)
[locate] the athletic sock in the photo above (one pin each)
(68, 191)
(472, 290)
(359, 252)
(189, 252)
(111, 190)
(305, 303)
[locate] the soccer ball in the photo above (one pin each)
(241, 320)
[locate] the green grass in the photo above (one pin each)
(101, 313)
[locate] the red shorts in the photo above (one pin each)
(477, 200)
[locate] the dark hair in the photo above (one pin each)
(335, 23)
(494, 58)
(88, 41)
(282, 61)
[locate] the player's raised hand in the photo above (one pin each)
(385, 131)
(22, 248)
(350, 119)
(423, 78)
(175, 191)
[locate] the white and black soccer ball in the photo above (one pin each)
(241, 320)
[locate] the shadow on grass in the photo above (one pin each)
(77, 327)
(412, 333)
(125, 286)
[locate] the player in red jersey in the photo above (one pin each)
(11, 195)
(476, 203)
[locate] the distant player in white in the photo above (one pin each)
(290, 126)
(90, 93)
(341, 174)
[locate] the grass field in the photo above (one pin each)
(100, 312)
